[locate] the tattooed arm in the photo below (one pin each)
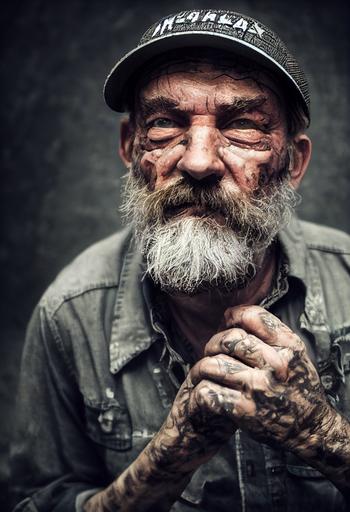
(276, 394)
(194, 430)
(256, 376)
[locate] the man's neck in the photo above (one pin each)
(200, 316)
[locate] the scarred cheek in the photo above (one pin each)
(148, 165)
(158, 164)
(250, 168)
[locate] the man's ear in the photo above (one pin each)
(299, 159)
(126, 141)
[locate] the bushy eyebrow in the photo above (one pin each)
(156, 105)
(240, 105)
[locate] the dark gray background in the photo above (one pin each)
(60, 172)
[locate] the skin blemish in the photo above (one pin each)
(159, 163)
(169, 159)
(147, 164)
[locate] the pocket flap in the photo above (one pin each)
(108, 424)
(304, 471)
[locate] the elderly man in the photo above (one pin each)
(199, 359)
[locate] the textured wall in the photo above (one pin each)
(60, 173)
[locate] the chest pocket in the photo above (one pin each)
(108, 424)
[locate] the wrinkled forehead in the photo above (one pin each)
(201, 62)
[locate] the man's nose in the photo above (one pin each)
(201, 157)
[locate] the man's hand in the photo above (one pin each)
(267, 385)
(257, 376)
(271, 388)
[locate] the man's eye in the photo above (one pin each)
(242, 124)
(161, 122)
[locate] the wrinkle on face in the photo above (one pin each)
(199, 101)
(254, 168)
(159, 163)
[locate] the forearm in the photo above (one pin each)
(154, 481)
(327, 448)
(140, 488)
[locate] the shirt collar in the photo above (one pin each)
(131, 331)
(294, 247)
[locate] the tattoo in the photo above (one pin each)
(230, 368)
(245, 348)
(230, 345)
(270, 322)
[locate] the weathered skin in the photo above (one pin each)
(254, 373)
(208, 128)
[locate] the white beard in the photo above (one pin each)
(194, 253)
(190, 254)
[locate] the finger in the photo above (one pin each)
(249, 349)
(220, 400)
(264, 325)
(213, 398)
(229, 372)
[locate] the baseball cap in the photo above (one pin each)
(221, 29)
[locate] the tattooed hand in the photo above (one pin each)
(256, 375)
(272, 389)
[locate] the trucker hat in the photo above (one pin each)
(221, 29)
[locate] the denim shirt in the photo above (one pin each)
(98, 379)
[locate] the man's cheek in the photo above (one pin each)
(157, 165)
(148, 166)
(251, 168)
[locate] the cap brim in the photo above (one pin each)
(117, 83)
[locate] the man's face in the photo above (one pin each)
(203, 120)
(209, 182)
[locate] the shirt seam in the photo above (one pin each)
(46, 301)
(51, 323)
(325, 248)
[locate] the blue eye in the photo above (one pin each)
(161, 122)
(241, 124)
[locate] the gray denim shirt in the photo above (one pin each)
(98, 378)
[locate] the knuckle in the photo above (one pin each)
(295, 340)
(233, 315)
(210, 347)
(286, 354)
(250, 314)
(229, 316)
(230, 341)
(281, 368)
(301, 345)
(202, 366)
(201, 393)
(297, 348)
(255, 309)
